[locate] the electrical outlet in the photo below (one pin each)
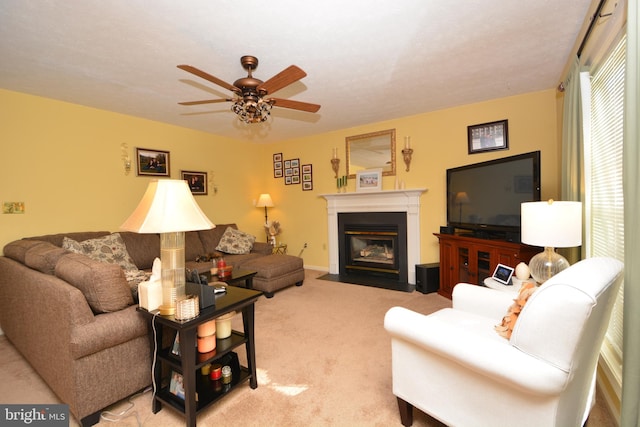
(305, 245)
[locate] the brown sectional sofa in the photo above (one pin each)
(74, 319)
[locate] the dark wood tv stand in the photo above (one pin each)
(468, 259)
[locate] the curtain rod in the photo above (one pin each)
(594, 19)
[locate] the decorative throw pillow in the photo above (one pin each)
(235, 242)
(505, 329)
(110, 249)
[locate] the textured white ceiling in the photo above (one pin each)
(366, 60)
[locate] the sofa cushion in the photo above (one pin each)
(108, 249)
(79, 236)
(192, 245)
(17, 249)
(211, 238)
(235, 242)
(44, 257)
(142, 248)
(103, 285)
(275, 265)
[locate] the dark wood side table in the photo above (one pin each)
(238, 276)
(189, 362)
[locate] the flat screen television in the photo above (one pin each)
(485, 197)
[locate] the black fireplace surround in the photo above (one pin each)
(373, 249)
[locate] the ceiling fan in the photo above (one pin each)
(250, 101)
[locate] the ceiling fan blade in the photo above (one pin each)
(209, 77)
(206, 101)
(284, 78)
(295, 105)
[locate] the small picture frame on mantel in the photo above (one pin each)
(369, 180)
(488, 137)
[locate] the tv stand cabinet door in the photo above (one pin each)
(468, 259)
(448, 268)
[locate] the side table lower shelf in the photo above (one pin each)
(208, 391)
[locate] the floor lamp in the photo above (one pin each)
(551, 225)
(462, 198)
(168, 208)
(264, 201)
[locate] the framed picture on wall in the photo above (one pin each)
(488, 137)
(197, 182)
(277, 165)
(152, 162)
(307, 177)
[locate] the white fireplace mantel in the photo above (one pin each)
(377, 201)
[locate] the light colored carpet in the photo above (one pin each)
(323, 358)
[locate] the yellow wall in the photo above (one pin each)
(63, 161)
(439, 140)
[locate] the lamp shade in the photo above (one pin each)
(552, 224)
(264, 201)
(462, 198)
(166, 207)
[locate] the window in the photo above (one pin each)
(603, 179)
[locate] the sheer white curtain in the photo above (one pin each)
(572, 185)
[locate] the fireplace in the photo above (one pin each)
(359, 204)
(373, 244)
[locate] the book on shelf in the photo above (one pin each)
(175, 349)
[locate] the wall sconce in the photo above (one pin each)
(407, 151)
(126, 160)
(212, 183)
(335, 162)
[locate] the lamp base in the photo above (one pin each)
(547, 264)
(167, 310)
(172, 271)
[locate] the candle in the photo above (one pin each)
(407, 142)
(335, 153)
(206, 344)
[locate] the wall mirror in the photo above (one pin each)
(371, 151)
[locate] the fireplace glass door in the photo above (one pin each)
(373, 251)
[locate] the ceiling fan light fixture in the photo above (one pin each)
(248, 102)
(252, 111)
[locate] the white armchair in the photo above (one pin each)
(454, 366)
